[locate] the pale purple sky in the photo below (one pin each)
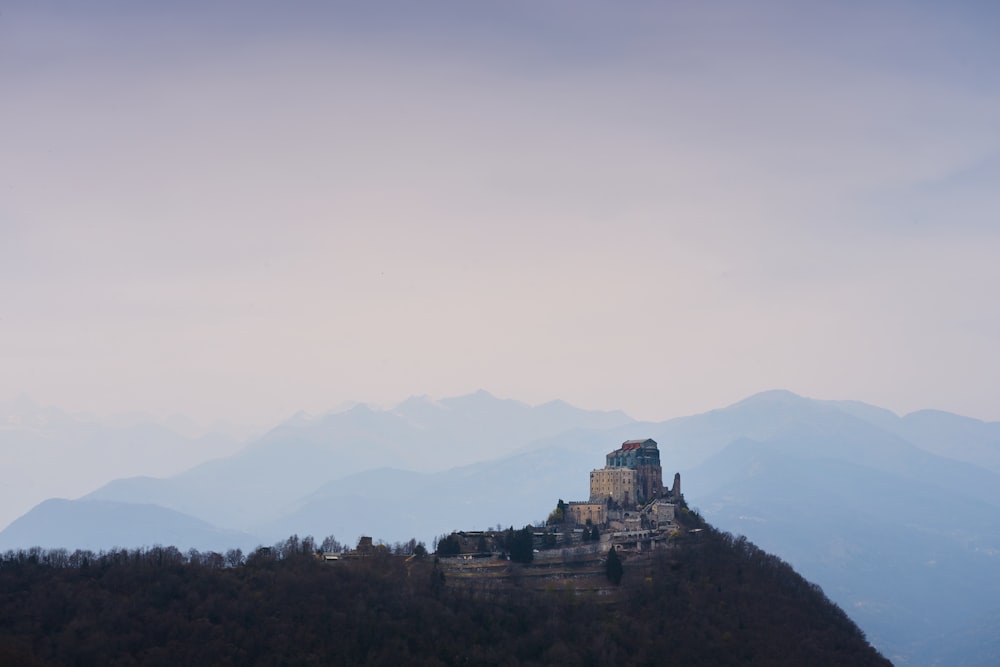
(240, 209)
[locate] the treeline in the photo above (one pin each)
(716, 600)
(293, 547)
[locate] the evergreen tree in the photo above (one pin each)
(521, 546)
(449, 546)
(613, 567)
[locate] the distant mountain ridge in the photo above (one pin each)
(873, 506)
(271, 475)
(48, 452)
(100, 524)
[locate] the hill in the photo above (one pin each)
(713, 601)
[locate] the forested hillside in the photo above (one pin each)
(719, 601)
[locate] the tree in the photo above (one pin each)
(289, 548)
(331, 545)
(522, 549)
(613, 567)
(449, 546)
(214, 560)
(558, 515)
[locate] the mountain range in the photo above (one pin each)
(48, 452)
(895, 517)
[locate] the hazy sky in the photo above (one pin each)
(240, 209)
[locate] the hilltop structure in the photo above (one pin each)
(642, 457)
(629, 509)
(628, 491)
(632, 474)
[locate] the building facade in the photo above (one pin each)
(583, 513)
(662, 514)
(642, 456)
(617, 484)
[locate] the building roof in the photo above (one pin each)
(631, 444)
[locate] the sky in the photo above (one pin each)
(237, 210)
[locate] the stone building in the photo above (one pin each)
(643, 456)
(617, 484)
(632, 474)
(628, 492)
(580, 513)
(661, 514)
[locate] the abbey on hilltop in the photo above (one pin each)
(629, 509)
(628, 492)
